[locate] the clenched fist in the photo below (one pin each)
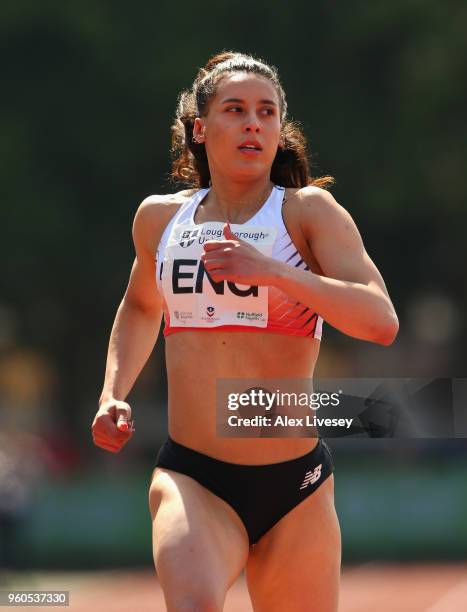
(112, 426)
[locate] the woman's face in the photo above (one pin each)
(242, 127)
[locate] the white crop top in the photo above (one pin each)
(192, 300)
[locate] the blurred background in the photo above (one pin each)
(89, 92)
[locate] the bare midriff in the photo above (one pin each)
(197, 359)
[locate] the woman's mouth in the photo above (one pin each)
(250, 146)
(251, 152)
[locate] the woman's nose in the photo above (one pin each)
(252, 124)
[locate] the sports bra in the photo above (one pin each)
(193, 300)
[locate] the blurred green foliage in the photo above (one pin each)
(410, 523)
(89, 90)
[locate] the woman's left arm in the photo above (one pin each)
(351, 296)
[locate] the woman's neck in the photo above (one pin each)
(233, 201)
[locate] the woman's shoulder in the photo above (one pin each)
(161, 203)
(155, 212)
(157, 208)
(306, 202)
(308, 196)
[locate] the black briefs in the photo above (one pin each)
(260, 494)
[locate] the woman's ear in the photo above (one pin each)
(281, 143)
(198, 131)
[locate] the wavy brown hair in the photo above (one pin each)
(290, 167)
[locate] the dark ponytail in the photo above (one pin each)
(290, 167)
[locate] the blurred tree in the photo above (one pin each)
(89, 93)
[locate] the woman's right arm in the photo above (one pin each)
(135, 328)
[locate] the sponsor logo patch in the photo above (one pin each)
(312, 476)
(250, 316)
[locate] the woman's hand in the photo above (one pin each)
(237, 261)
(112, 426)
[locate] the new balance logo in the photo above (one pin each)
(312, 477)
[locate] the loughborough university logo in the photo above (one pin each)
(188, 237)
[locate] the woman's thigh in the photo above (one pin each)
(200, 545)
(296, 565)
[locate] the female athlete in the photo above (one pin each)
(248, 265)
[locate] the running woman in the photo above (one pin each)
(245, 266)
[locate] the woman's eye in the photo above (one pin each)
(239, 109)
